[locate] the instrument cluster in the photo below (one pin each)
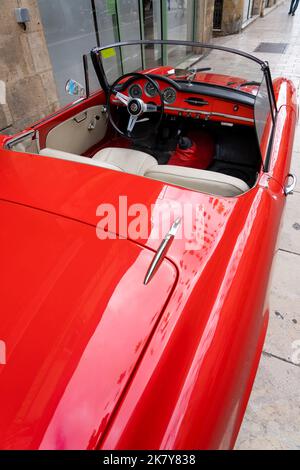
(169, 94)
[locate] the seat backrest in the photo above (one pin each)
(199, 180)
(131, 161)
(46, 152)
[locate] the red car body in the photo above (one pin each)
(95, 359)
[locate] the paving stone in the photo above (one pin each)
(295, 168)
(297, 140)
(284, 324)
(289, 239)
(272, 420)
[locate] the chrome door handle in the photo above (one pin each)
(80, 117)
(289, 187)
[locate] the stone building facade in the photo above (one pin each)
(230, 16)
(205, 15)
(25, 68)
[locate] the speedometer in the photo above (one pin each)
(150, 90)
(135, 91)
(169, 95)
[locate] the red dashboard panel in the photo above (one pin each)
(204, 106)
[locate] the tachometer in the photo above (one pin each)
(135, 91)
(150, 90)
(169, 95)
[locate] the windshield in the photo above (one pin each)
(190, 62)
(187, 62)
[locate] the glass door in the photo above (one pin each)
(106, 25)
(179, 23)
(151, 29)
(128, 14)
(247, 13)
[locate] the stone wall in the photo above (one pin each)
(205, 14)
(25, 68)
(258, 6)
(232, 16)
(270, 3)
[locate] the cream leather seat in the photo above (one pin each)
(46, 152)
(130, 161)
(140, 163)
(199, 180)
(120, 159)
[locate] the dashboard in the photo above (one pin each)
(194, 100)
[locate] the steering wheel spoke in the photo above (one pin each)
(131, 123)
(123, 98)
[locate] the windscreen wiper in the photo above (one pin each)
(203, 69)
(240, 85)
(249, 84)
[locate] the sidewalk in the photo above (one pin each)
(272, 420)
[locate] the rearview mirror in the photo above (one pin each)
(74, 88)
(178, 72)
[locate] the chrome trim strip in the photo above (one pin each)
(37, 138)
(80, 117)
(8, 145)
(289, 188)
(162, 251)
(208, 113)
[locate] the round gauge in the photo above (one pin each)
(135, 91)
(169, 95)
(150, 90)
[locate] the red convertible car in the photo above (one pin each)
(119, 335)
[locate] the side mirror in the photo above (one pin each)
(74, 88)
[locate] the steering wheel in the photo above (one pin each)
(136, 107)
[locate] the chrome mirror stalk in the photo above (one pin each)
(290, 186)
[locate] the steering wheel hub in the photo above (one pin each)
(136, 107)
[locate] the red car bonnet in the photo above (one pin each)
(75, 317)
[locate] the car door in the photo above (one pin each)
(80, 132)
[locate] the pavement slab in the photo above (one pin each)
(276, 394)
(295, 168)
(289, 238)
(284, 323)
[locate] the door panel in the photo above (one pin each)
(80, 132)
